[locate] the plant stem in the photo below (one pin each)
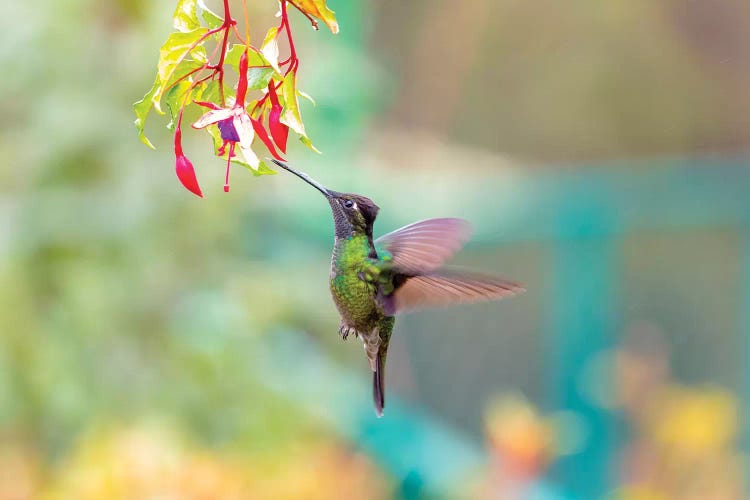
(219, 68)
(294, 62)
(247, 23)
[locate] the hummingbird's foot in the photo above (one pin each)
(344, 331)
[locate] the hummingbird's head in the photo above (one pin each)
(352, 213)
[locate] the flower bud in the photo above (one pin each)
(184, 168)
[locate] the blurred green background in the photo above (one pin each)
(154, 345)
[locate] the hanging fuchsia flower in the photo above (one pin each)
(236, 126)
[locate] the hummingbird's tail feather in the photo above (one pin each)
(384, 331)
(378, 386)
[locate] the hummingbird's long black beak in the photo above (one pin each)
(305, 178)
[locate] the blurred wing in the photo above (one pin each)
(424, 245)
(443, 289)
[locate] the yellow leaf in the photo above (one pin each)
(318, 8)
(270, 48)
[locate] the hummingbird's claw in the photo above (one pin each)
(343, 331)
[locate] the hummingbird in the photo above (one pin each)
(372, 281)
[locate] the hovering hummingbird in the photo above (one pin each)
(372, 281)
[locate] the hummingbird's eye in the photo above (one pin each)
(349, 203)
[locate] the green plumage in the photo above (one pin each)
(354, 277)
(357, 276)
(354, 297)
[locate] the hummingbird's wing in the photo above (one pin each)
(424, 245)
(443, 288)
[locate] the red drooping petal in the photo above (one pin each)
(260, 131)
(205, 104)
(272, 94)
(279, 131)
(184, 168)
(242, 83)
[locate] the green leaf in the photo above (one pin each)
(173, 54)
(307, 142)
(215, 133)
(212, 19)
(185, 17)
(142, 109)
(306, 96)
(259, 72)
(258, 78)
(199, 54)
(232, 57)
(290, 116)
(319, 9)
(208, 92)
(263, 168)
(175, 49)
(185, 67)
(174, 99)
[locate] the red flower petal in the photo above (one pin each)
(279, 131)
(242, 84)
(205, 104)
(260, 131)
(186, 174)
(272, 93)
